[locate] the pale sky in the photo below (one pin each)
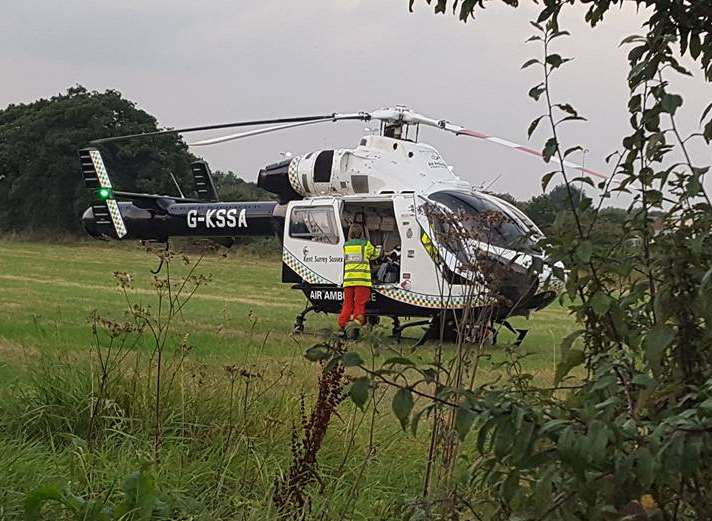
(191, 63)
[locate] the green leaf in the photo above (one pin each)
(523, 441)
(464, 418)
(582, 179)
(632, 38)
(707, 132)
(571, 150)
(573, 358)
(549, 149)
(529, 63)
(398, 360)
(351, 359)
(317, 353)
(566, 107)
(38, 497)
(415, 421)
(600, 302)
(510, 486)
(604, 382)
(358, 392)
(536, 91)
(695, 45)
(556, 61)
(655, 343)
(545, 14)
(533, 125)
(670, 103)
(645, 466)
(503, 437)
(693, 186)
(569, 340)
(542, 492)
(553, 426)
(705, 289)
(402, 405)
(644, 380)
(546, 179)
(597, 440)
(705, 112)
(584, 251)
(706, 405)
(483, 433)
(140, 497)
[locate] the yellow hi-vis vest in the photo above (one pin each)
(357, 268)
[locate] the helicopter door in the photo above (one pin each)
(314, 240)
(429, 236)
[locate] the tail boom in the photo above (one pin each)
(239, 219)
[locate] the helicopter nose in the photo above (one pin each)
(531, 288)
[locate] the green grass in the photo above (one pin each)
(243, 316)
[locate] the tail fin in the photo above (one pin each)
(96, 178)
(204, 181)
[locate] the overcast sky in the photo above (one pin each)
(224, 60)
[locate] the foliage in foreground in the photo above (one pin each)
(141, 502)
(630, 437)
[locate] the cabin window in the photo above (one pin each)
(316, 223)
(481, 219)
(322, 166)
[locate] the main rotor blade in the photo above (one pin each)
(232, 137)
(520, 148)
(212, 127)
(413, 117)
(240, 135)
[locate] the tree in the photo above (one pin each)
(42, 187)
(506, 196)
(543, 209)
(230, 187)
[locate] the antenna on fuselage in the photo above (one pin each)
(175, 181)
(485, 188)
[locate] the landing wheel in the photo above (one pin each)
(398, 328)
(396, 331)
(298, 327)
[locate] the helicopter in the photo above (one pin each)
(398, 188)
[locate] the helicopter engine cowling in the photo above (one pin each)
(276, 178)
(378, 165)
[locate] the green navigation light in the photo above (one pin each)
(103, 193)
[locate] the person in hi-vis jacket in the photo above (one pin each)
(358, 254)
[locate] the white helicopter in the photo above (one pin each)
(407, 197)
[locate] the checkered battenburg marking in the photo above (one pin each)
(293, 173)
(397, 294)
(422, 300)
(111, 204)
(301, 270)
(100, 169)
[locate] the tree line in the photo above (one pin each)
(41, 188)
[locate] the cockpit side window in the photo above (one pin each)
(315, 223)
(482, 220)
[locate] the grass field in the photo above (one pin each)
(243, 317)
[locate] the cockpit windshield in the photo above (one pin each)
(482, 220)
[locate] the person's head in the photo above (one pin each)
(355, 232)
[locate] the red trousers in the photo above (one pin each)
(355, 299)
